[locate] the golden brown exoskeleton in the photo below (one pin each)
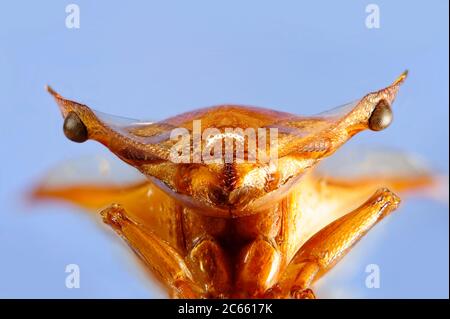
(238, 229)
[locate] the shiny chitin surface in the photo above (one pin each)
(246, 230)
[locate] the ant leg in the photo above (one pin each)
(324, 249)
(158, 255)
(210, 267)
(259, 263)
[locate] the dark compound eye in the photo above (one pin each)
(74, 128)
(381, 116)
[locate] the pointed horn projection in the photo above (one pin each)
(82, 123)
(321, 135)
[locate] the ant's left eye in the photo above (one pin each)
(381, 116)
(74, 128)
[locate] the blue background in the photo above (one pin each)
(151, 60)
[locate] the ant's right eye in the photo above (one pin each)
(381, 116)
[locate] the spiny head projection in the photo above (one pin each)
(235, 183)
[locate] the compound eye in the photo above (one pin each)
(74, 128)
(381, 116)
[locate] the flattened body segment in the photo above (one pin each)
(235, 187)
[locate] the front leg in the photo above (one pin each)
(257, 268)
(158, 255)
(323, 250)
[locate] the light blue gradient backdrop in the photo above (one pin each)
(149, 60)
